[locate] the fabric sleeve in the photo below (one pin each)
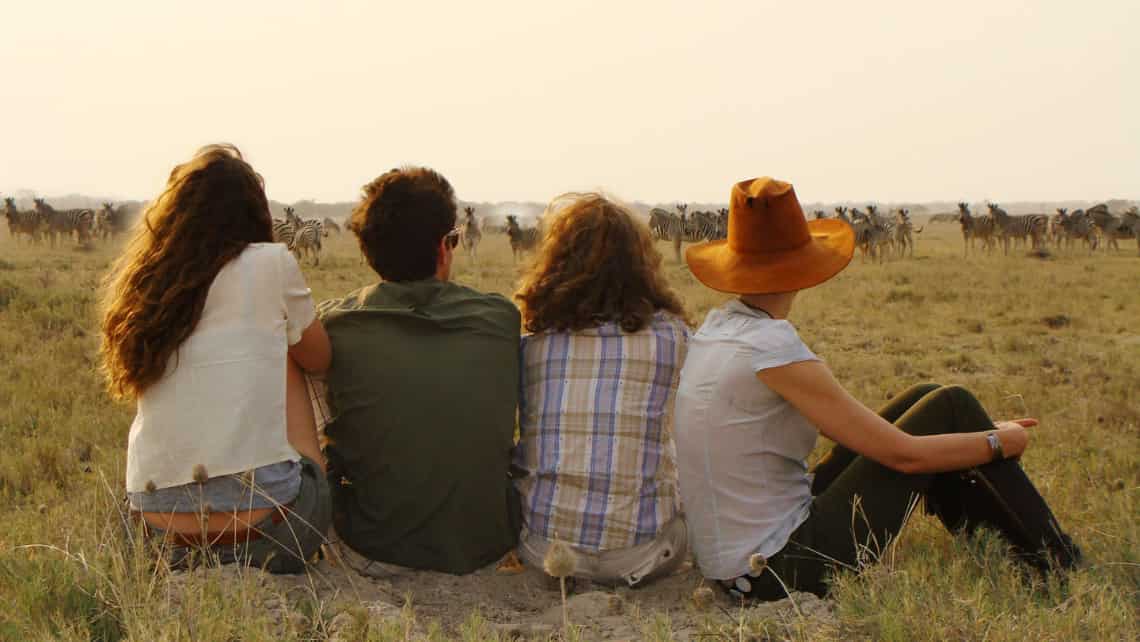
(297, 298)
(777, 345)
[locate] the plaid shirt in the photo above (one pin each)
(596, 433)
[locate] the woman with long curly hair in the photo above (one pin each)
(208, 326)
(600, 369)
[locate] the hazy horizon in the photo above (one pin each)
(651, 102)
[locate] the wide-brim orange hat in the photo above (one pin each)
(771, 245)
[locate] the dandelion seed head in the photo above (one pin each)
(703, 597)
(559, 560)
(756, 564)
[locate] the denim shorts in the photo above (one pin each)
(285, 545)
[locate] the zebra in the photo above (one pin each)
(703, 226)
(722, 223)
(81, 221)
(980, 227)
(284, 230)
(903, 232)
(1026, 226)
(107, 221)
(26, 222)
(523, 239)
(330, 225)
(841, 214)
(307, 240)
(1130, 220)
(659, 223)
(469, 233)
(1057, 226)
(886, 227)
(1111, 227)
(870, 236)
(1079, 225)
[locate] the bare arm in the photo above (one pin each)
(313, 353)
(300, 423)
(813, 390)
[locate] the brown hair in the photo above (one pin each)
(213, 206)
(596, 264)
(400, 220)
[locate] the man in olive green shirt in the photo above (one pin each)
(423, 390)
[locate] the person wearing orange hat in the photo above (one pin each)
(752, 400)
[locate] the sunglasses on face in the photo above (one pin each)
(452, 239)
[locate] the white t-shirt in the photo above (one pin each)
(741, 448)
(221, 403)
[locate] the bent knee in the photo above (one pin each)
(923, 389)
(955, 392)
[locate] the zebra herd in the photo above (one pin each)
(84, 224)
(303, 236)
(700, 226)
(877, 235)
(1092, 226)
(522, 239)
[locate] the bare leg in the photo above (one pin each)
(301, 425)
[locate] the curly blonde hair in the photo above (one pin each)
(596, 264)
(213, 206)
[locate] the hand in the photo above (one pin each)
(1026, 422)
(1014, 436)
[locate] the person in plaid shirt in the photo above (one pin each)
(599, 373)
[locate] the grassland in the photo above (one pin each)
(1058, 339)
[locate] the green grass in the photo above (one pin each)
(1056, 339)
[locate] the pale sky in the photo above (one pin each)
(656, 101)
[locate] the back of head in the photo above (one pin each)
(596, 264)
(400, 221)
(212, 208)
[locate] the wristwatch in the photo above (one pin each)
(995, 446)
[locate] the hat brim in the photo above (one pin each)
(721, 268)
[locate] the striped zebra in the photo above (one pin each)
(64, 222)
(1078, 226)
(523, 239)
(284, 230)
(25, 222)
(659, 223)
(704, 226)
(904, 232)
(974, 228)
(105, 222)
(841, 214)
(1130, 220)
(307, 240)
(885, 229)
(1025, 226)
(330, 225)
(722, 223)
(870, 236)
(470, 234)
(1056, 230)
(1112, 228)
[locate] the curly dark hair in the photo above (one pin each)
(596, 264)
(213, 206)
(400, 221)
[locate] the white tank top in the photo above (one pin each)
(221, 403)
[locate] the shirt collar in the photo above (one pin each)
(736, 306)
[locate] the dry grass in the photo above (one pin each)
(1057, 339)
